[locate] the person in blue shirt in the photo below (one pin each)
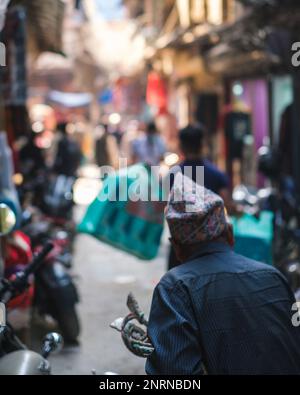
(218, 312)
(191, 145)
(148, 148)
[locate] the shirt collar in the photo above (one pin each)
(209, 248)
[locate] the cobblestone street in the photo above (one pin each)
(105, 276)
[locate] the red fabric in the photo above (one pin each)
(18, 250)
(22, 301)
(157, 95)
(19, 254)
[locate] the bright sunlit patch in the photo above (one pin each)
(86, 191)
(18, 179)
(171, 159)
(110, 10)
(238, 89)
(114, 118)
(37, 127)
(90, 171)
(188, 37)
(125, 279)
(163, 170)
(149, 52)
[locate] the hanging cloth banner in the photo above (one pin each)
(157, 95)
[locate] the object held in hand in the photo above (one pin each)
(134, 337)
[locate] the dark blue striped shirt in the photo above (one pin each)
(225, 312)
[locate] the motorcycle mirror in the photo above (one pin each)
(7, 219)
(53, 343)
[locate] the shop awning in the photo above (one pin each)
(262, 3)
(230, 62)
(70, 100)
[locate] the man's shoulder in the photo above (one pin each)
(204, 269)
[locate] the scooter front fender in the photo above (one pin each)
(24, 363)
(58, 284)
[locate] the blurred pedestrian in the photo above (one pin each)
(133, 131)
(218, 312)
(31, 157)
(191, 140)
(32, 165)
(69, 155)
(118, 135)
(148, 148)
(106, 150)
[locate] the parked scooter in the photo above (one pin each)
(15, 359)
(27, 363)
(39, 228)
(55, 293)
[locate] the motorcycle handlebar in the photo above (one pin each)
(38, 259)
(20, 283)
